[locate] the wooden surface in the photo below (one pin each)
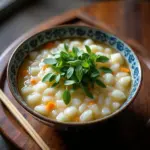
(128, 129)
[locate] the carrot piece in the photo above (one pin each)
(124, 69)
(24, 73)
(33, 81)
(49, 45)
(50, 106)
(91, 103)
(44, 67)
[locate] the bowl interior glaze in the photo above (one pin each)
(62, 32)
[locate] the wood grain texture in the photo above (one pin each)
(24, 123)
(124, 18)
(129, 126)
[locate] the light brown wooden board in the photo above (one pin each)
(127, 129)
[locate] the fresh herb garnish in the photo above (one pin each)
(66, 47)
(50, 61)
(70, 72)
(102, 59)
(105, 70)
(79, 73)
(88, 49)
(48, 77)
(77, 69)
(87, 92)
(69, 82)
(58, 78)
(66, 97)
(100, 83)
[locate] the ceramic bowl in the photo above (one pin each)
(62, 32)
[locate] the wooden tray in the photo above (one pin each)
(127, 129)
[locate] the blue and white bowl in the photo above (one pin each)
(72, 31)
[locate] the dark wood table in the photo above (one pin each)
(25, 18)
(128, 19)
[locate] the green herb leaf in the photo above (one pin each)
(95, 74)
(102, 59)
(50, 61)
(85, 56)
(80, 53)
(57, 56)
(59, 64)
(66, 47)
(52, 77)
(66, 97)
(64, 69)
(87, 92)
(64, 55)
(47, 77)
(69, 82)
(88, 49)
(93, 57)
(57, 78)
(79, 72)
(74, 63)
(85, 70)
(105, 70)
(85, 64)
(62, 74)
(75, 50)
(100, 83)
(70, 72)
(85, 80)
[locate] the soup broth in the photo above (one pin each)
(79, 94)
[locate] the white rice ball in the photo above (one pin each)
(75, 44)
(59, 94)
(71, 111)
(41, 109)
(121, 74)
(108, 79)
(47, 99)
(108, 101)
(40, 87)
(27, 90)
(60, 104)
(49, 91)
(125, 81)
(54, 113)
(62, 117)
(115, 67)
(108, 50)
(34, 99)
(82, 107)
(117, 58)
(75, 102)
(105, 111)
(86, 116)
(95, 109)
(34, 70)
(95, 48)
(88, 42)
(118, 95)
(115, 105)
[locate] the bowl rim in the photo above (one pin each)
(47, 120)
